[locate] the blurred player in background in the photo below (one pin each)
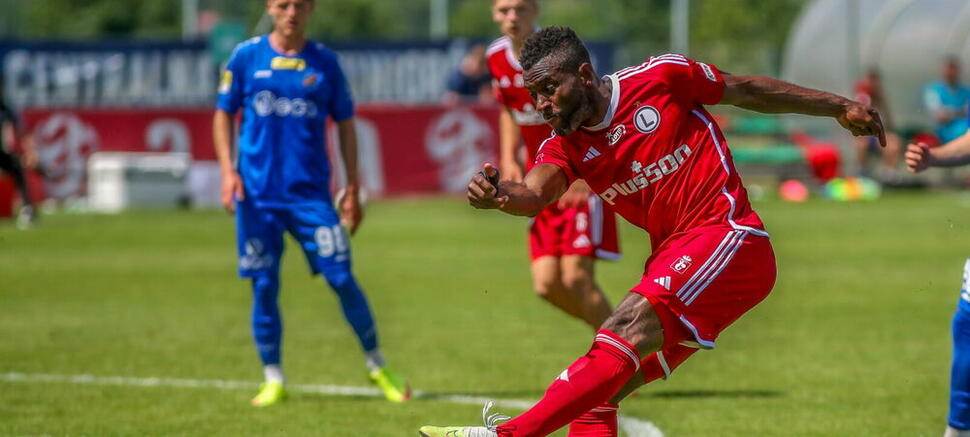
(919, 157)
(664, 164)
(947, 101)
(470, 82)
(10, 163)
(869, 91)
(279, 181)
(566, 238)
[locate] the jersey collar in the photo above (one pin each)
(511, 56)
(611, 111)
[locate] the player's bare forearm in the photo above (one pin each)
(769, 95)
(773, 96)
(954, 153)
(576, 195)
(544, 184)
(348, 150)
(221, 134)
(541, 186)
(522, 200)
(232, 185)
(509, 139)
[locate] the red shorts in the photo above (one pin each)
(588, 230)
(699, 283)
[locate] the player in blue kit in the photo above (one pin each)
(919, 157)
(279, 180)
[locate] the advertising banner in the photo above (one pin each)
(402, 149)
(120, 74)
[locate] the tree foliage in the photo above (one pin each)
(743, 34)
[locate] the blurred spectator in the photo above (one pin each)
(10, 162)
(471, 82)
(947, 101)
(869, 90)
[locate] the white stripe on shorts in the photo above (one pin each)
(706, 268)
(725, 259)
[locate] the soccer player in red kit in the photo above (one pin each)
(643, 141)
(567, 237)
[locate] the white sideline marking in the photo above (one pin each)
(631, 427)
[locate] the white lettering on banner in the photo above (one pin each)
(63, 145)
(92, 77)
(168, 135)
(655, 171)
(370, 162)
(414, 75)
(458, 141)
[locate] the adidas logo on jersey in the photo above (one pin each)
(664, 282)
(591, 153)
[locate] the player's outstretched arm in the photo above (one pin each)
(919, 156)
(769, 95)
(541, 186)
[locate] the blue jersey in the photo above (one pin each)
(939, 96)
(282, 154)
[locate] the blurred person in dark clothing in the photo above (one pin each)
(869, 90)
(471, 81)
(11, 163)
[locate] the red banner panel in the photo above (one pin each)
(402, 149)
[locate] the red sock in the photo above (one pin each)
(598, 422)
(590, 381)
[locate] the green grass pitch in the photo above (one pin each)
(854, 340)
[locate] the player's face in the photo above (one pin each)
(515, 18)
(290, 17)
(560, 96)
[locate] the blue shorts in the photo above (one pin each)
(316, 227)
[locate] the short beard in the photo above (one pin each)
(576, 118)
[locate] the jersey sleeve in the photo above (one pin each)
(552, 152)
(499, 95)
(496, 88)
(695, 81)
(340, 105)
(230, 83)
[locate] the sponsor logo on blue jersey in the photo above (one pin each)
(266, 103)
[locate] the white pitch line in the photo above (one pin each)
(632, 427)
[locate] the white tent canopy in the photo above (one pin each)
(905, 39)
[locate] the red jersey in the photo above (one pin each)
(657, 157)
(863, 92)
(510, 91)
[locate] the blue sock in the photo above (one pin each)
(354, 305)
(960, 372)
(267, 323)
